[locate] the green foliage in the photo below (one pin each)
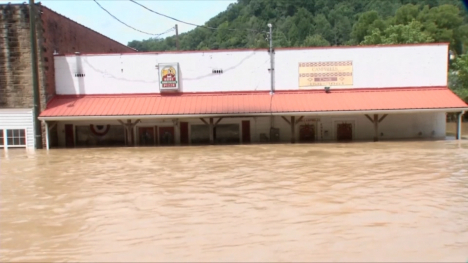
(458, 77)
(338, 22)
(315, 41)
(398, 34)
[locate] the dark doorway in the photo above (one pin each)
(69, 136)
(245, 131)
(184, 133)
(344, 132)
(146, 136)
(307, 133)
(166, 136)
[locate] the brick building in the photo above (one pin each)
(56, 34)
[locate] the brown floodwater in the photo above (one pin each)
(385, 201)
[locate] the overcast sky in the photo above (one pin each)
(88, 13)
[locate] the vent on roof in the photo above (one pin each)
(217, 71)
(79, 75)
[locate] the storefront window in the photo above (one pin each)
(100, 135)
(1, 137)
(200, 134)
(16, 137)
(227, 134)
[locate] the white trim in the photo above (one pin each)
(5, 138)
(47, 134)
(307, 113)
(86, 118)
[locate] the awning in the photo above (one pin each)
(311, 102)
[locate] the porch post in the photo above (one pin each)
(211, 131)
(293, 129)
(376, 127)
(47, 134)
(459, 125)
(5, 140)
(129, 128)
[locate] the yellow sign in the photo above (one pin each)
(329, 74)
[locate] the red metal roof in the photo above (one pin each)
(253, 102)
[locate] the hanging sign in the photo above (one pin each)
(169, 76)
(325, 74)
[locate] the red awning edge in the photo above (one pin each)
(301, 102)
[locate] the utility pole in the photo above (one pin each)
(35, 80)
(272, 61)
(177, 36)
(272, 74)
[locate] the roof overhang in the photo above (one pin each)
(300, 113)
(253, 104)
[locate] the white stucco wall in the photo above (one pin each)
(393, 127)
(373, 67)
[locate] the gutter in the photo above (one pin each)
(316, 113)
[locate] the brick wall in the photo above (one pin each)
(55, 33)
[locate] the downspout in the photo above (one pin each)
(35, 79)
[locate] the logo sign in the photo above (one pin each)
(325, 74)
(169, 76)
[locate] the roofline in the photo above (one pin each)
(263, 49)
(250, 92)
(43, 6)
(260, 114)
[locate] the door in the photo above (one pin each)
(344, 132)
(245, 131)
(184, 137)
(307, 133)
(166, 136)
(69, 136)
(146, 136)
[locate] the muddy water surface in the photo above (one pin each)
(395, 201)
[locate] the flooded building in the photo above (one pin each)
(55, 34)
(236, 97)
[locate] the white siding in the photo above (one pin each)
(373, 67)
(19, 119)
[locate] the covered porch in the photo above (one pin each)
(250, 117)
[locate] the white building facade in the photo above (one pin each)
(230, 97)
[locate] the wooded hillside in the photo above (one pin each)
(332, 23)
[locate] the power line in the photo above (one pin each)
(192, 24)
(165, 32)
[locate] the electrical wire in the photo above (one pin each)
(165, 32)
(192, 24)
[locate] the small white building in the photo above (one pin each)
(230, 96)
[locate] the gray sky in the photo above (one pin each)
(88, 13)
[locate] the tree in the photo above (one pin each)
(323, 27)
(398, 34)
(367, 22)
(315, 41)
(442, 23)
(458, 77)
(296, 22)
(405, 14)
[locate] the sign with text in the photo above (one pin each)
(169, 76)
(328, 74)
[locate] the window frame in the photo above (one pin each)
(6, 145)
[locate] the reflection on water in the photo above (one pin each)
(324, 202)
